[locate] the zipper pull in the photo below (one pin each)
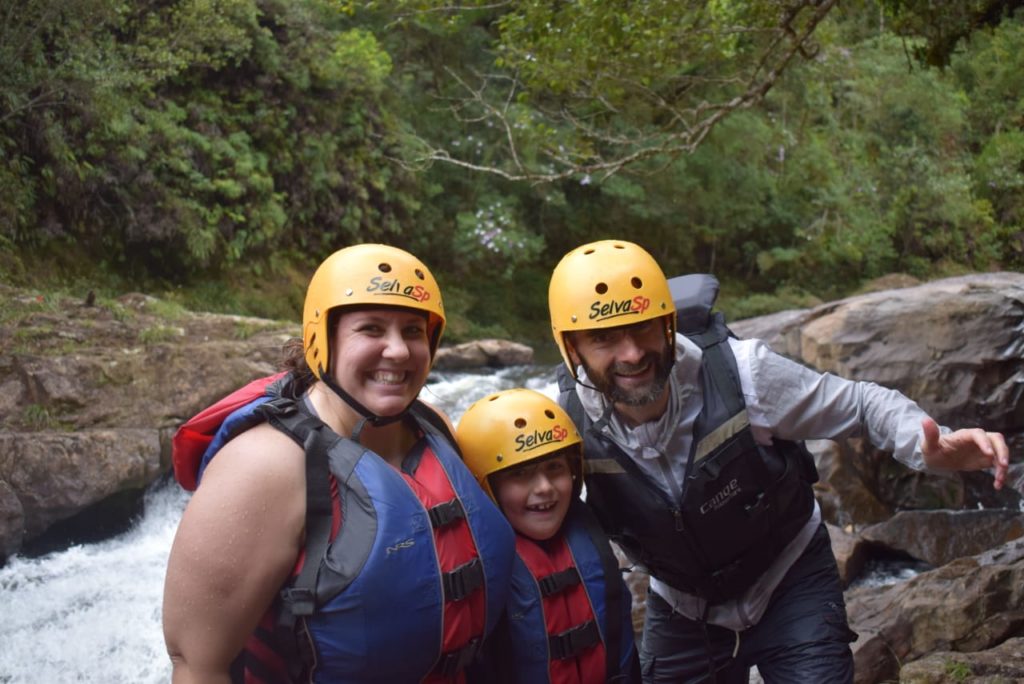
(678, 515)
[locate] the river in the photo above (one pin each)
(91, 613)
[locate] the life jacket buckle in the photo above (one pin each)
(758, 506)
(279, 407)
(463, 580)
(453, 662)
(574, 641)
(300, 602)
(446, 513)
(558, 581)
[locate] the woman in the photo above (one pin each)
(408, 560)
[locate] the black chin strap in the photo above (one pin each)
(367, 415)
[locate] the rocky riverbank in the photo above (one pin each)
(91, 392)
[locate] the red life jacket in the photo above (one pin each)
(564, 610)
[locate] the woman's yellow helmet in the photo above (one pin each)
(367, 275)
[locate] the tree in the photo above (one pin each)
(589, 88)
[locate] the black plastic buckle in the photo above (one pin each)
(299, 602)
(463, 580)
(454, 662)
(446, 513)
(558, 581)
(279, 407)
(574, 641)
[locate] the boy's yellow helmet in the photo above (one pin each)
(367, 275)
(512, 427)
(607, 284)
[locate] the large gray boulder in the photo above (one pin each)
(954, 345)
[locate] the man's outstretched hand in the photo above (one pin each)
(969, 449)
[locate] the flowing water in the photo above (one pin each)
(91, 613)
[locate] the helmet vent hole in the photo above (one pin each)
(520, 423)
(419, 274)
(637, 282)
(601, 288)
(549, 413)
(384, 267)
(589, 251)
(619, 246)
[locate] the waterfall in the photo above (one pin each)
(91, 613)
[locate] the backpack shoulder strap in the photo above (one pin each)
(694, 296)
(569, 400)
(298, 597)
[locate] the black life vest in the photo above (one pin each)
(741, 502)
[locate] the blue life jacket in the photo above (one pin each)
(369, 604)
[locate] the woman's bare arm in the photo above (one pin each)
(236, 545)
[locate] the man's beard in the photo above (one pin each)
(637, 396)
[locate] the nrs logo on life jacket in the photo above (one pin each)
(384, 286)
(539, 439)
(622, 307)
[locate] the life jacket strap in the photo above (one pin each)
(558, 581)
(446, 513)
(463, 580)
(299, 602)
(453, 662)
(572, 642)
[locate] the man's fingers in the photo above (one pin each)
(931, 435)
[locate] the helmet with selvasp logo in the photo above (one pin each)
(512, 427)
(367, 275)
(607, 284)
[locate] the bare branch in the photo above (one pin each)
(682, 132)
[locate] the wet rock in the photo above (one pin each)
(483, 354)
(972, 604)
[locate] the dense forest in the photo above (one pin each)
(213, 151)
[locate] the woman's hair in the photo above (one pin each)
(294, 353)
(294, 361)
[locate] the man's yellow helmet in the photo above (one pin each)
(606, 284)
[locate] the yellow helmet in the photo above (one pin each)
(376, 275)
(607, 284)
(515, 426)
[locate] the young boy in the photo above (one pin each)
(568, 617)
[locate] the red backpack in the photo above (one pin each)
(194, 436)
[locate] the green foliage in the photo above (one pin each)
(37, 417)
(214, 151)
(958, 671)
(157, 334)
(944, 26)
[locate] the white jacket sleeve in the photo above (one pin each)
(791, 401)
